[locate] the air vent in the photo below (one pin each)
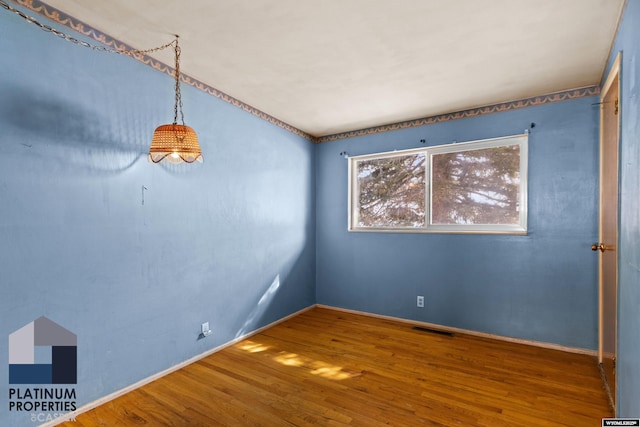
(432, 331)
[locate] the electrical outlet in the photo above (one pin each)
(420, 301)
(205, 330)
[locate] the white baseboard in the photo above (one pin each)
(125, 390)
(542, 344)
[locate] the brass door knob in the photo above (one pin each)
(602, 247)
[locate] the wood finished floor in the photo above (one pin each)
(330, 368)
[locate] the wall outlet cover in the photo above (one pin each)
(205, 330)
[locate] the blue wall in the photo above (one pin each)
(628, 365)
(230, 241)
(537, 287)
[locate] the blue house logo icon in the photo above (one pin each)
(43, 352)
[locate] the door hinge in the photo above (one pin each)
(615, 109)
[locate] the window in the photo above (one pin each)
(471, 187)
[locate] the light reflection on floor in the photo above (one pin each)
(315, 367)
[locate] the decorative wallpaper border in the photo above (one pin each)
(61, 18)
(473, 112)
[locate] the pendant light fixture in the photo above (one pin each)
(175, 143)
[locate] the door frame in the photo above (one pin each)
(611, 77)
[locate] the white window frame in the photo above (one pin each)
(429, 152)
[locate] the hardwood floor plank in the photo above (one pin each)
(331, 368)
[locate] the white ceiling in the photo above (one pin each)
(330, 66)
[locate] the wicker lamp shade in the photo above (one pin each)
(175, 143)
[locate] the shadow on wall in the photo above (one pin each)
(60, 132)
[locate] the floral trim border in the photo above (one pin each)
(62, 18)
(474, 112)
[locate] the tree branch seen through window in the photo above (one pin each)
(392, 191)
(476, 187)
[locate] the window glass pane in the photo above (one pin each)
(391, 191)
(476, 186)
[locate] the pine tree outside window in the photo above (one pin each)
(471, 187)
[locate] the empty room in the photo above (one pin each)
(297, 213)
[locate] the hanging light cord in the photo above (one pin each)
(178, 104)
(67, 37)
